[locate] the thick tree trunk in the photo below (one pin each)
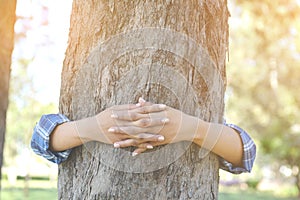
(170, 52)
(7, 21)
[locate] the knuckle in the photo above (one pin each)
(131, 130)
(158, 107)
(119, 129)
(144, 110)
(133, 115)
(154, 107)
(142, 146)
(142, 136)
(124, 130)
(146, 136)
(135, 143)
(144, 122)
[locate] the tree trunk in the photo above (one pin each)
(7, 21)
(297, 176)
(170, 52)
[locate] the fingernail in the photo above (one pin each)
(142, 100)
(149, 146)
(165, 120)
(114, 116)
(138, 105)
(161, 138)
(116, 145)
(134, 153)
(111, 130)
(162, 106)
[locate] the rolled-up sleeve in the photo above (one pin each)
(249, 153)
(41, 136)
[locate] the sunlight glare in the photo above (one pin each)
(45, 27)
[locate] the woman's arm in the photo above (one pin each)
(96, 128)
(41, 136)
(54, 135)
(64, 137)
(218, 138)
(143, 126)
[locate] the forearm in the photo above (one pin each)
(220, 139)
(97, 128)
(72, 134)
(54, 135)
(64, 137)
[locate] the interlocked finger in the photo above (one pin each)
(125, 107)
(151, 108)
(129, 130)
(141, 102)
(142, 140)
(138, 151)
(148, 137)
(137, 113)
(148, 122)
(126, 143)
(128, 115)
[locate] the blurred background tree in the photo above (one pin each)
(263, 80)
(7, 21)
(36, 59)
(24, 111)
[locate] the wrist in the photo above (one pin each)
(87, 129)
(200, 132)
(64, 136)
(192, 125)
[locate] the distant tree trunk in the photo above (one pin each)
(297, 176)
(7, 21)
(167, 51)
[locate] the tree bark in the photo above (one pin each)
(7, 21)
(297, 176)
(170, 52)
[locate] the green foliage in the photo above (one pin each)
(264, 75)
(253, 183)
(24, 108)
(24, 111)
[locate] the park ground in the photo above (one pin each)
(47, 190)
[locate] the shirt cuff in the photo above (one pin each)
(41, 136)
(249, 153)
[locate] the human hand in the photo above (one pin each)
(101, 127)
(180, 127)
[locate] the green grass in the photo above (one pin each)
(51, 194)
(46, 190)
(251, 195)
(37, 190)
(32, 194)
(282, 192)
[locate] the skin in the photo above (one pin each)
(98, 128)
(146, 125)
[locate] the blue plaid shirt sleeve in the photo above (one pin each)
(41, 135)
(249, 153)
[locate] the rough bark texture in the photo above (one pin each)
(170, 52)
(7, 21)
